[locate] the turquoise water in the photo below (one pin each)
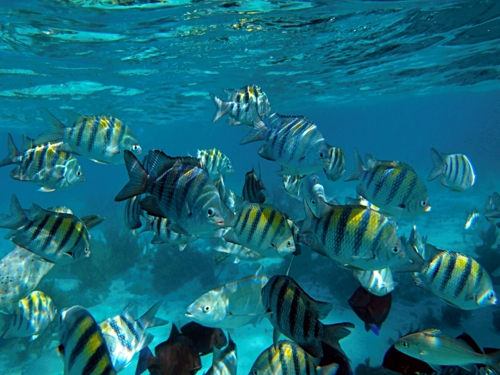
(388, 78)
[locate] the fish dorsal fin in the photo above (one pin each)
(430, 252)
(469, 341)
(371, 161)
(174, 332)
(131, 310)
(91, 221)
(434, 332)
(158, 163)
(28, 143)
(35, 212)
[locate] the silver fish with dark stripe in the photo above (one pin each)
(296, 315)
(288, 358)
(294, 142)
(354, 236)
(261, 228)
(82, 344)
(215, 162)
(180, 190)
(336, 168)
(47, 164)
(244, 105)
(102, 139)
(53, 236)
(163, 233)
(456, 170)
(125, 334)
(33, 314)
(392, 186)
(457, 279)
(252, 189)
(225, 361)
(377, 282)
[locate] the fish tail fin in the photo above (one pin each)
(138, 178)
(495, 360)
(222, 107)
(149, 226)
(336, 332)
(438, 167)
(372, 327)
(359, 167)
(146, 359)
(55, 129)
(91, 221)
(149, 319)
(12, 152)
(17, 216)
(256, 134)
(330, 369)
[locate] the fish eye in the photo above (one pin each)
(86, 251)
(321, 155)
(404, 343)
(491, 295)
(255, 372)
(210, 212)
(423, 203)
(273, 245)
(206, 309)
(289, 243)
(313, 202)
(136, 147)
(78, 174)
(402, 205)
(395, 249)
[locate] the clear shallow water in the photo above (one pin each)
(389, 78)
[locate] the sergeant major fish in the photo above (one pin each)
(133, 213)
(455, 170)
(392, 186)
(354, 236)
(231, 305)
(215, 162)
(294, 142)
(179, 190)
(33, 314)
(163, 233)
(47, 165)
(82, 344)
(288, 358)
(244, 105)
(102, 139)
(54, 236)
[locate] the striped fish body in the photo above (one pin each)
(243, 105)
(133, 213)
(354, 236)
(295, 314)
(231, 305)
(336, 168)
(99, 138)
(163, 233)
(287, 358)
(225, 362)
(53, 236)
(292, 186)
(82, 344)
(458, 280)
(252, 189)
(392, 186)
(215, 162)
(456, 170)
(47, 165)
(20, 272)
(377, 282)
(33, 314)
(261, 228)
(294, 142)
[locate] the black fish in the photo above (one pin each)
(371, 309)
(176, 356)
(204, 338)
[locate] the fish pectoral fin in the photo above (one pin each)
(100, 161)
(112, 150)
(45, 189)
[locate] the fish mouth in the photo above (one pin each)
(188, 314)
(427, 208)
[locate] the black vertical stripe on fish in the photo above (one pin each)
(245, 220)
(39, 228)
(107, 137)
(93, 134)
(131, 327)
(282, 361)
(79, 135)
(396, 185)
(360, 231)
(381, 181)
(294, 309)
(120, 334)
(462, 281)
(280, 301)
(52, 232)
(371, 175)
(255, 224)
(70, 132)
(448, 271)
(81, 343)
(287, 133)
(159, 187)
(435, 270)
(68, 234)
(41, 159)
(326, 225)
(410, 188)
(479, 276)
(279, 229)
(465, 170)
(267, 227)
(29, 160)
(454, 159)
(30, 312)
(381, 223)
(308, 325)
(75, 324)
(95, 358)
(176, 172)
(341, 229)
(79, 236)
(21, 314)
(296, 360)
(191, 175)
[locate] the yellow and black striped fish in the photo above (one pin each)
(296, 315)
(392, 186)
(33, 314)
(261, 228)
(355, 236)
(457, 279)
(456, 170)
(102, 139)
(82, 344)
(47, 164)
(244, 105)
(336, 168)
(215, 162)
(252, 189)
(54, 236)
